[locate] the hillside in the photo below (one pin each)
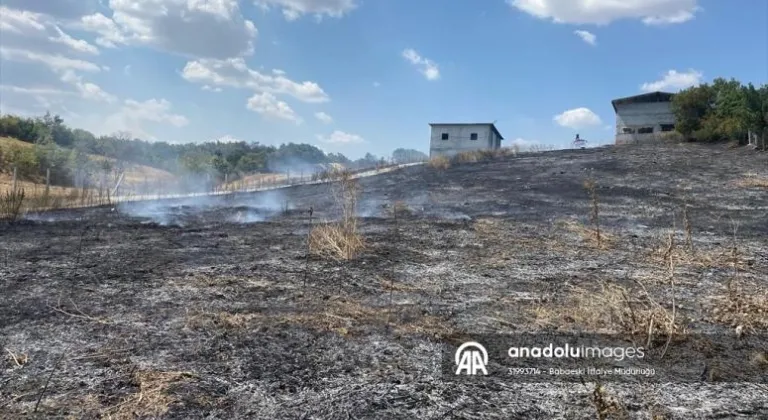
(213, 307)
(136, 176)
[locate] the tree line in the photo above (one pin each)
(64, 151)
(725, 110)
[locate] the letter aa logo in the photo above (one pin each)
(471, 357)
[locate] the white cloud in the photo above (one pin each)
(153, 110)
(577, 118)
(134, 115)
(20, 21)
(294, 9)
(227, 139)
(426, 66)
(35, 38)
(340, 137)
(235, 73)
(268, 105)
(521, 142)
(54, 62)
(586, 36)
(87, 90)
(376, 84)
(75, 44)
(109, 34)
(44, 91)
(323, 117)
(195, 28)
(601, 12)
(674, 81)
(59, 9)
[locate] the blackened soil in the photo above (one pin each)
(211, 309)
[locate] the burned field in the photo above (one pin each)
(213, 309)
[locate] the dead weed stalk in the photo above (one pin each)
(77, 313)
(591, 186)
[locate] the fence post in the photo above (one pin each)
(14, 178)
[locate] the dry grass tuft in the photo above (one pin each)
(223, 320)
(612, 309)
(745, 310)
(589, 235)
(340, 240)
(607, 406)
(11, 203)
(153, 398)
(400, 209)
(18, 359)
(439, 162)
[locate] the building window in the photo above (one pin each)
(667, 127)
(445, 136)
(627, 130)
(473, 136)
(645, 130)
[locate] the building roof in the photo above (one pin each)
(493, 126)
(644, 98)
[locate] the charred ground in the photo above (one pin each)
(192, 309)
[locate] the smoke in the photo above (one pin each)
(233, 208)
(294, 167)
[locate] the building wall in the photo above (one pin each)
(642, 115)
(459, 139)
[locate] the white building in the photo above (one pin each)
(643, 117)
(451, 139)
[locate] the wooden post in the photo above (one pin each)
(14, 178)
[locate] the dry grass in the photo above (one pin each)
(606, 405)
(439, 162)
(336, 240)
(399, 209)
(153, 397)
(745, 309)
(611, 309)
(589, 235)
(340, 240)
(136, 177)
(18, 359)
(222, 320)
(591, 186)
(342, 316)
(752, 181)
(11, 203)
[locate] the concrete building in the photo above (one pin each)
(451, 139)
(643, 117)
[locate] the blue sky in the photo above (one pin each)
(357, 76)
